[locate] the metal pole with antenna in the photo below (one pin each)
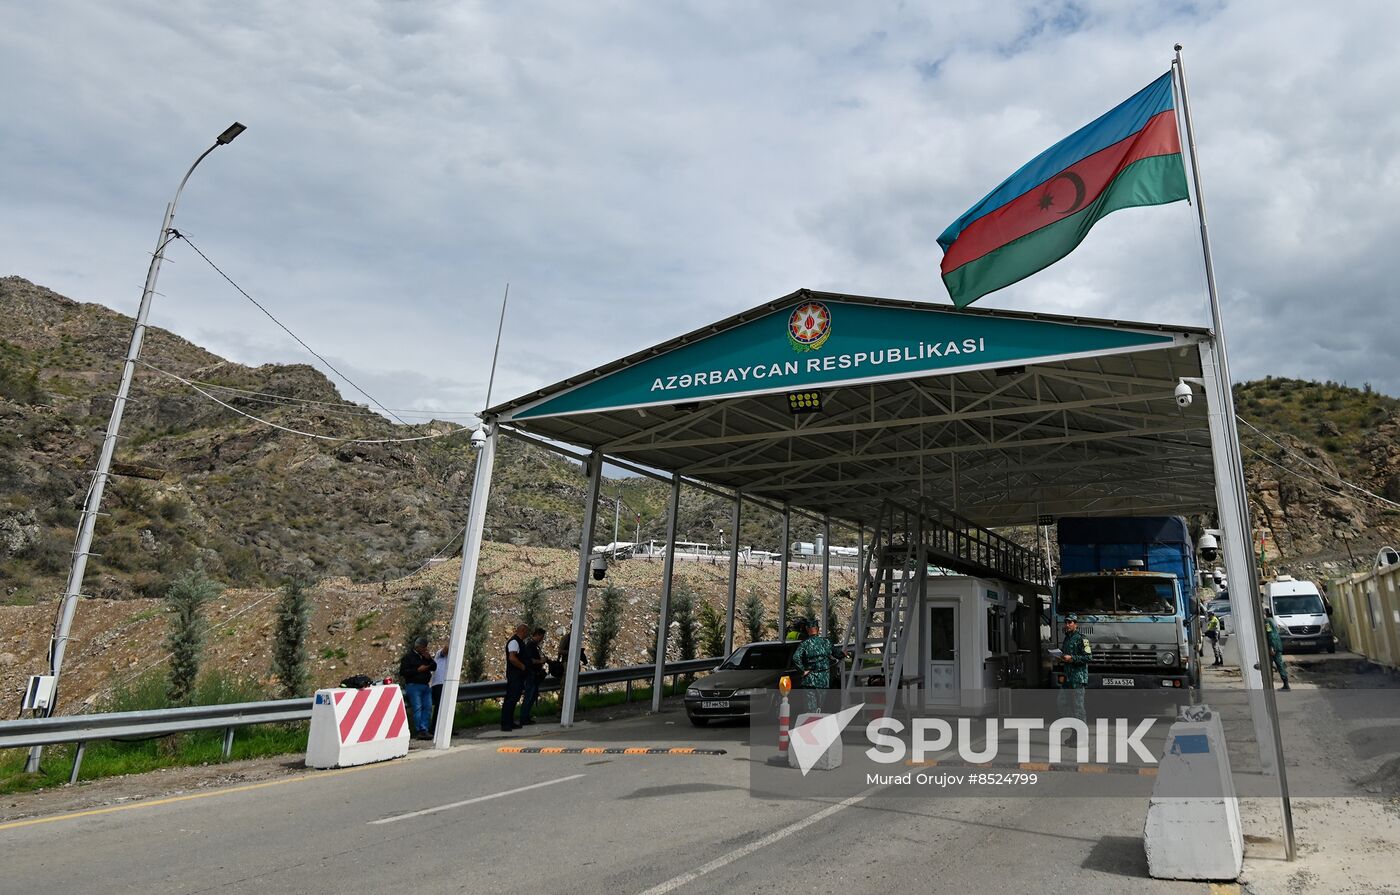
(82, 549)
(484, 439)
(1235, 516)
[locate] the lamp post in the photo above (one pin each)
(59, 644)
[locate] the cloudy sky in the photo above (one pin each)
(635, 170)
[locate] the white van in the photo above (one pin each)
(1300, 614)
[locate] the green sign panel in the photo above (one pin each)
(812, 344)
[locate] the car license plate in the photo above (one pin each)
(715, 704)
(1118, 682)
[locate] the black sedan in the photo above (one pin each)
(746, 683)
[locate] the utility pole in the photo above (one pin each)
(58, 646)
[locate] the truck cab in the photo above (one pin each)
(1300, 613)
(1135, 623)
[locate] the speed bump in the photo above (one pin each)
(595, 750)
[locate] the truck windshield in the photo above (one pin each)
(1109, 595)
(1299, 604)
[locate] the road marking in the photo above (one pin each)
(746, 850)
(496, 795)
(16, 824)
(593, 750)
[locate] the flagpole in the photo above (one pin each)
(1224, 399)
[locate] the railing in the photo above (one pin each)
(83, 729)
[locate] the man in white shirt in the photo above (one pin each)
(515, 677)
(439, 678)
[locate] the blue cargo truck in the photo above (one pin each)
(1132, 582)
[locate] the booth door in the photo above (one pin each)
(941, 667)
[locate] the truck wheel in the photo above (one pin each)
(1332, 646)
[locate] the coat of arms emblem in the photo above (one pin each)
(809, 326)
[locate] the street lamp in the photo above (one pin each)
(58, 645)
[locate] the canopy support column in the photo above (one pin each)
(783, 572)
(585, 565)
(733, 576)
(1239, 566)
(663, 619)
(466, 587)
(826, 574)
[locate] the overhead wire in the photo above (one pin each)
(347, 405)
(178, 235)
(1307, 478)
(337, 438)
(1304, 460)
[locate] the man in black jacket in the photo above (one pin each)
(416, 672)
(532, 654)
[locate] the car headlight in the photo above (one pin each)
(693, 691)
(751, 691)
(1168, 658)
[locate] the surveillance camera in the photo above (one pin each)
(1183, 394)
(478, 439)
(1209, 547)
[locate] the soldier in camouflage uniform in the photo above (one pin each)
(1075, 661)
(1275, 646)
(813, 659)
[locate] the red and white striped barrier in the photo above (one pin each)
(350, 727)
(784, 720)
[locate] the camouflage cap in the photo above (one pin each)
(1072, 618)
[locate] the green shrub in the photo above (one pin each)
(532, 604)
(711, 630)
(609, 624)
(186, 599)
(478, 629)
(754, 616)
(423, 611)
(289, 641)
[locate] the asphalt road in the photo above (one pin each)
(475, 820)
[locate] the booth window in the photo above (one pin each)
(996, 630)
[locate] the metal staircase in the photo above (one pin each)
(906, 542)
(891, 580)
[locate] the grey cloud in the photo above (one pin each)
(637, 171)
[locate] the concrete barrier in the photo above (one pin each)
(1193, 820)
(807, 742)
(350, 727)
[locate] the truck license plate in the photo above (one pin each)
(1118, 682)
(715, 704)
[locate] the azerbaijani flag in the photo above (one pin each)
(1130, 156)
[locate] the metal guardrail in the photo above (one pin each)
(83, 729)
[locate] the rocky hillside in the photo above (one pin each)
(197, 481)
(1302, 439)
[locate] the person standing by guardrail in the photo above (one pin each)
(533, 657)
(515, 677)
(416, 671)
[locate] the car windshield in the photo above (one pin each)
(1112, 595)
(760, 657)
(1298, 604)
(1220, 608)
